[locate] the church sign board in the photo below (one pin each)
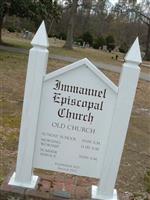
(74, 119)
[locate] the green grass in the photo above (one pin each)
(147, 180)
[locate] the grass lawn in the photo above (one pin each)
(16, 40)
(135, 162)
(134, 175)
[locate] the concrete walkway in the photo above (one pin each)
(108, 67)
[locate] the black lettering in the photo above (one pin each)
(84, 104)
(74, 89)
(90, 105)
(96, 106)
(101, 107)
(80, 115)
(56, 98)
(78, 103)
(63, 101)
(81, 90)
(73, 102)
(104, 95)
(61, 112)
(58, 83)
(65, 88)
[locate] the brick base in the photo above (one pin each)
(77, 187)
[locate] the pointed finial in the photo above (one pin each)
(41, 38)
(134, 54)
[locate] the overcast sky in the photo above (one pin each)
(112, 1)
(115, 1)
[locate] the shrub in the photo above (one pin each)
(110, 42)
(62, 36)
(87, 38)
(79, 41)
(123, 47)
(11, 29)
(99, 43)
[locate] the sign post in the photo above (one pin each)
(37, 65)
(74, 119)
(121, 116)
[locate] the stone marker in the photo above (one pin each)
(75, 119)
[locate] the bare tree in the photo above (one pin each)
(73, 10)
(134, 12)
(144, 16)
(4, 7)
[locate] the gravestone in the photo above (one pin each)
(75, 119)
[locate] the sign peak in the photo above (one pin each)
(134, 54)
(41, 38)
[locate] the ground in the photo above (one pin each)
(134, 173)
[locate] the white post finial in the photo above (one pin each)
(41, 38)
(134, 54)
(37, 64)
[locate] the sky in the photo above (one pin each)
(112, 1)
(115, 1)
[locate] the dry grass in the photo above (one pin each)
(136, 156)
(12, 76)
(56, 48)
(56, 45)
(15, 39)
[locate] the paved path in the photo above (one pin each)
(108, 67)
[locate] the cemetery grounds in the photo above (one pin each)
(134, 174)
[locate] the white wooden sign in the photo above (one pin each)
(75, 119)
(77, 105)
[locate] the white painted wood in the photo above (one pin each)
(37, 64)
(30, 184)
(134, 54)
(95, 195)
(40, 39)
(78, 64)
(108, 125)
(87, 149)
(127, 88)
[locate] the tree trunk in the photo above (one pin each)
(50, 27)
(73, 11)
(147, 52)
(1, 25)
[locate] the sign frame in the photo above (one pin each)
(37, 64)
